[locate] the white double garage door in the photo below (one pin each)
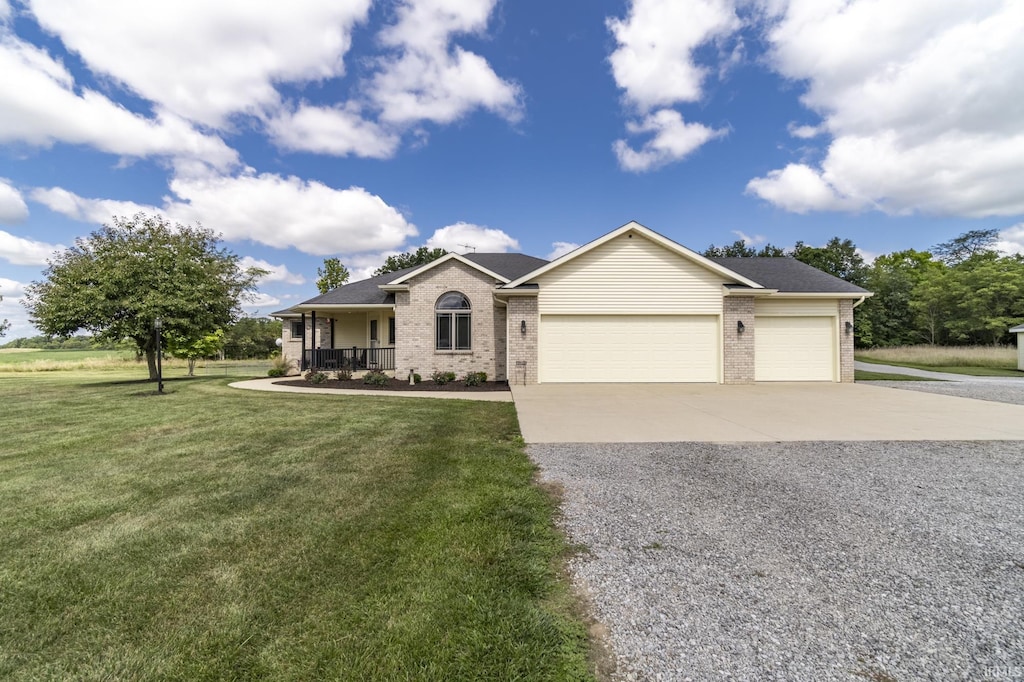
(679, 348)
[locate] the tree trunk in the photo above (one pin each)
(191, 367)
(147, 347)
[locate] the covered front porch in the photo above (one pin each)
(346, 337)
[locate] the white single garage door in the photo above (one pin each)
(794, 348)
(627, 348)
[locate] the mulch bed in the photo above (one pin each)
(399, 385)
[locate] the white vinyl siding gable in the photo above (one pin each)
(788, 307)
(630, 276)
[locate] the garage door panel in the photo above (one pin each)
(625, 348)
(794, 348)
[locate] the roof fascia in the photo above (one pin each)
(344, 306)
(823, 294)
(761, 293)
(648, 233)
(444, 259)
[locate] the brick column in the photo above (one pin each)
(522, 348)
(738, 349)
(845, 341)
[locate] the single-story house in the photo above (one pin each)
(1019, 331)
(630, 306)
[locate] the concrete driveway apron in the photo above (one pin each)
(644, 413)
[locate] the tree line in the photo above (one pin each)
(959, 292)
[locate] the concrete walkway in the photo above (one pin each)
(928, 374)
(269, 385)
(644, 413)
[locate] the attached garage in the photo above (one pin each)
(629, 348)
(794, 349)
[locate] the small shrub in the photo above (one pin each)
(416, 378)
(376, 377)
(315, 376)
(441, 378)
(279, 367)
(474, 378)
(344, 374)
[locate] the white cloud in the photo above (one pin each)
(21, 251)
(12, 206)
(340, 131)
(429, 79)
(654, 61)
(276, 273)
(924, 100)
(39, 105)
(5, 10)
(1011, 240)
(258, 301)
(480, 239)
(277, 211)
(674, 139)
(747, 239)
(97, 211)
(10, 288)
(559, 249)
(206, 61)
(799, 188)
(804, 132)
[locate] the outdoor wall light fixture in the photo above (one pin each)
(849, 327)
(522, 327)
(739, 326)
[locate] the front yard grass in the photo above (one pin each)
(212, 533)
(863, 375)
(984, 361)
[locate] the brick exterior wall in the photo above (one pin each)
(738, 349)
(414, 321)
(845, 341)
(522, 348)
(291, 346)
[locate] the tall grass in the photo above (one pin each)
(1001, 357)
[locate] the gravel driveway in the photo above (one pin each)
(996, 390)
(801, 561)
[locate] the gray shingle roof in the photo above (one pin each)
(367, 291)
(789, 275)
(509, 265)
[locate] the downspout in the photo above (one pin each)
(861, 300)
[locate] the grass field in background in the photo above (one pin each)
(36, 360)
(972, 360)
(863, 375)
(212, 533)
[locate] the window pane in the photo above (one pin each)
(391, 331)
(296, 329)
(373, 330)
(462, 332)
(453, 301)
(444, 332)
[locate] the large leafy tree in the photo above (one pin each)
(252, 337)
(739, 249)
(887, 318)
(192, 349)
(838, 257)
(969, 244)
(420, 256)
(118, 280)
(331, 276)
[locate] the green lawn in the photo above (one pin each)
(977, 371)
(862, 375)
(212, 534)
(18, 356)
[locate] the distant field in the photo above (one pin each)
(16, 360)
(975, 360)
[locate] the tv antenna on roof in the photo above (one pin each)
(467, 246)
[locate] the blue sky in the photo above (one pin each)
(359, 129)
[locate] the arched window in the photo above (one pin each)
(453, 324)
